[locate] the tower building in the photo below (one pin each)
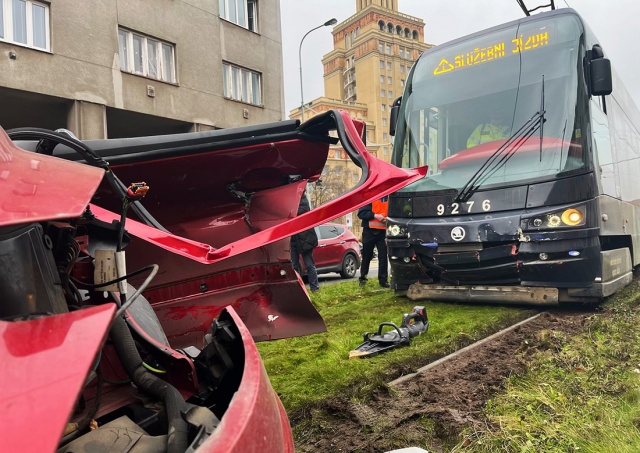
(373, 51)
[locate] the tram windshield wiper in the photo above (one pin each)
(501, 155)
(499, 158)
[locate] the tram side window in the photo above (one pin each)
(416, 145)
(603, 150)
(432, 140)
(601, 135)
(627, 155)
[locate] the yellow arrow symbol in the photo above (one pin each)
(443, 66)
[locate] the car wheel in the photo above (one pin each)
(349, 266)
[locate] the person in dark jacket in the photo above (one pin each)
(374, 228)
(303, 244)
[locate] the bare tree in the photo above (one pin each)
(338, 177)
(327, 188)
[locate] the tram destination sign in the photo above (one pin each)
(494, 50)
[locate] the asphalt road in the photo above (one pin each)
(330, 279)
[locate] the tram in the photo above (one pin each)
(542, 209)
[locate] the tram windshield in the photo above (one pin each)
(465, 105)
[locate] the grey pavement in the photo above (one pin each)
(330, 279)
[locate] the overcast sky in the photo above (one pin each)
(616, 23)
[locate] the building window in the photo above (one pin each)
(388, 79)
(401, 52)
(380, 47)
(385, 151)
(401, 68)
(240, 12)
(383, 93)
(241, 84)
(389, 65)
(385, 136)
(146, 56)
(384, 107)
(388, 49)
(346, 40)
(381, 64)
(390, 93)
(402, 83)
(357, 31)
(381, 79)
(25, 22)
(384, 122)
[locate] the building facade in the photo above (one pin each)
(140, 67)
(364, 73)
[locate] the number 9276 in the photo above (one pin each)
(463, 208)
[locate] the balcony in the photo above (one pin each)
(349, 80)
(350, 94)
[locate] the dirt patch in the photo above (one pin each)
(432, 409)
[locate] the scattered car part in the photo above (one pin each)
(413, 324)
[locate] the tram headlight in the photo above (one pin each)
(395, 231)
(570, 217)
(554, 220)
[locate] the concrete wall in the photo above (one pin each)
(83, 66)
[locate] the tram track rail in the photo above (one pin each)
(462, 351)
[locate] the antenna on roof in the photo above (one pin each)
(528, 12)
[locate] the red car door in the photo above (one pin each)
(330, 250)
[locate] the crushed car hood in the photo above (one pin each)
(45, 363)
(37, 187)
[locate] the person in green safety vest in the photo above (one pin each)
(495, 129)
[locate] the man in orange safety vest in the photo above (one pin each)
(374, 226)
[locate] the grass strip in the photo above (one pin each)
(309, 370)
(583, 397)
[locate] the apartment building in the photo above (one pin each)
(123, 68)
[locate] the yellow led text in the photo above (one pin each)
(530, 42)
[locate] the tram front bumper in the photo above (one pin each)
(530, 295)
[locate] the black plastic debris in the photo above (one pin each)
(413, 324)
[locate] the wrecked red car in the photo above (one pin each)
(137, 274)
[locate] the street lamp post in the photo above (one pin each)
(326, 24)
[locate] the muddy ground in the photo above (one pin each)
(451, 396)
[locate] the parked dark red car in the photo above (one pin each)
(337, 251)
